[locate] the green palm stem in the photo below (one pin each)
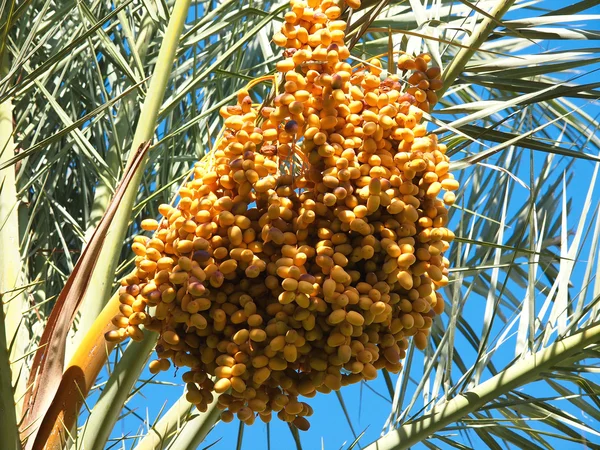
(92, 305)
(103, 192)
(464, 55)
(101, 281)
(520, 373)
(116, 391)
(8, 416)
(162, 432)
(13, 336)
(195, 430)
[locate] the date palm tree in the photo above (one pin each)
(105, 106)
